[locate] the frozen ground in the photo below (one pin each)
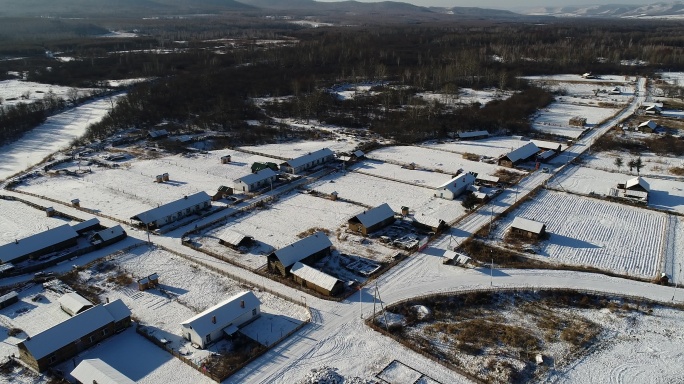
(19, 220)
(589, 232)
(467, 96)
(654, 165)
(492, 147)
(55, 134)
(577, 78)
(301, 148)
(396, 172)
(555, 118)
(14, 89)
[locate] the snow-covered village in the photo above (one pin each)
(335, 252)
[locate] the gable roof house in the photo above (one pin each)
(74, 335)
(473, 135)
(648, 126)
(525, 153)
(637, 184)
(40, 244)
(456, 186)
(653, 110)
(255, 181)
(108, 236)
(175, 210)
(429, 223)
(97, 371)
(224, 318)
(307, 161)
(528, 228)
(307, 250)
(372, 220)
(314, 279)
(72, 303)
(234, 239)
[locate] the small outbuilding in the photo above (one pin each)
(158, 134)
(528, 228)
(86, 226)
(307, 250)
(455, 258)
(148, 282)
(314, 279)
(96, 371)
(72, 303)
(254, 181)
(223, 319)
(648, 126)
(108, 236)
(372, 220)
(222, 193)
(234, 239)
(578, 121)
(175, 210)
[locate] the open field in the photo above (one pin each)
(11, 91)
(300, 148)
(590, 232)
(654, 165)
(19, 220)
(555, 118)
(396, 172)
(493, 147)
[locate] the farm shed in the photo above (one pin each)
(254, 181)
(429, 223)
(549, 145)
(455, 258)
(225, 159)
(158, 134)
(308, 249)
(222, 192)
(42, 243)
(108, 236)
(372, 220)
(74, 335)
(473, 135)
(486, 180)
(88, 225)
(234, 239)
(358, 155)
(546, 155)
(578, 121)
(653, 110)
(636, 184)
(520, 155)
(224, 318)
(314, 279)
(528, 228)
(307, 161)
(175, 210)
(648, 126)
(8, 299)
(72, 303)
(456, 186)
(97, 371)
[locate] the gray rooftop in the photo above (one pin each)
(224, 313)
(252, 178)
(97, 371)
(314, 276)
(110, 233)
(28, 245)
(303, 248)
(167, 209)
(374, 216)
(528, 225)
(523, 152)
(309, 157)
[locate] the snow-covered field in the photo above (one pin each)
(467, 96)
(300, 148)
(577, 78)
(589, 232)
(654, 165)
(396, 172)
(493, 147)
(11, 91)
(555, 118)
(19, 220)
(674, 78)
(55, 134)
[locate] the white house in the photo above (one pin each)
(307, 161)
(456, 186)
(255, 181)
(224, 318)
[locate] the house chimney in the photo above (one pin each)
(16, 241)
(242, 303)
(213, 319)
(107, 300)
(185, 197)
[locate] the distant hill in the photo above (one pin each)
(661, 10)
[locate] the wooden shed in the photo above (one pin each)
(314, 279)
(372, 220)
(528, 228)
(308, 249)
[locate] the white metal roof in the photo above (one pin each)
(73, 302)
(376, 215)
(97, 371)
(637, 181)
(523, 152)
(490, 178)
(314, 276)
(359, 153)
(8, 296)
(466, 135)
(28, 245)
(303, 248)
(231, 237)
(223, 313)
(458, 182)
(527, 225)
(252, 178)
(167, 209)
(52, 339)
(110, 233)
(309, 157)
(459, 258)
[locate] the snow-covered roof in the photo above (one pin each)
(158, 133)
(543, 144)
(110, 233)
(303, 248)
(97, 371)
(168, 209)
(467, 135)
(649, 123)
(66, 332)
(73, 303)
(489, 178)
(314, 276)
(252, 178)
(546, 154)
(523, 152)
(231, 237)
(430, 221)
(94, 222)
(359, 153)
(528, 225)
(637, 181)
(653, 108)
(651, 104)
(309, 157)
(374, 216)
(222, 313)
(458, 258)
(28, 245)
(459, 181)
(8, 296)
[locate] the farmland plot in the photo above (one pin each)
(654, 165)
(589, 232)
(12, 90)
(396, 172)
(19, 220)
(300, 148)
(555, 118)
(492, 147)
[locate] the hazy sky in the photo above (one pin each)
(509, 4)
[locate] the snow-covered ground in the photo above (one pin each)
(555, 118)
(654, 165)
(19, 220)
(674, 78)
(467, 96)
(396, 172)
(11, 91)
(55, 134)
(493, 147)
(577, 78)
(300, 148)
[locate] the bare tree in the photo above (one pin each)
(618, 163)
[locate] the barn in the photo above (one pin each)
(473, 135)
(42, 243)
(255, 181)
(428, 223)
(224, 318)
(372, 220)
(525, 153)
(456, 186)
(72, 303)
(486, 180)
(308, 249)
(314, 279)
(222, 192)
(307, 161)
(74, 335)
(108, 236)
(175, 210)
(234, 239)
(97, 371)
(528, 228)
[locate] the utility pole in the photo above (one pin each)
(491, 270)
